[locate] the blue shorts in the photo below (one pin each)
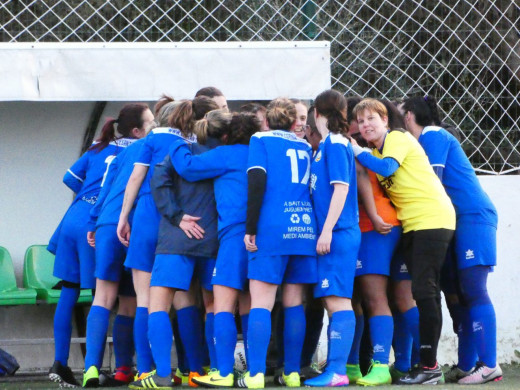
(337, 269)
(231, 266)
(475, 244)
(278, 269)
(75, 258)
(177, 271)
(110, 254)
(376, 252)
(143, 236)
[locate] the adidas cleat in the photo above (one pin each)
(328, 379)
(153, 381)
(252, 382)
(378, 374)
(354, 373)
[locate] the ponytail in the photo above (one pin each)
(333, 106)
(215, 125)
(108, 134)
(200, 128)
(184, 115)
(130, 117)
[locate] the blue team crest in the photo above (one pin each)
(318, 156)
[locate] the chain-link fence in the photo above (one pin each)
(466, 53)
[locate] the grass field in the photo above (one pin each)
(511, 381)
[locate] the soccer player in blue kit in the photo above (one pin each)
(111, 278)
(228, 165)
(75, 258)
(474, 247)
(334, 196)
(142, 245)
(281, 239)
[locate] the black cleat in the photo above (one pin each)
(419, 375)
(63, 375)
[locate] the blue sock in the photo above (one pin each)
(313, 327)
(142, 345)
(259, 333)
(225, 342)
(210, 339)
(63, 323)
(342, 328)
(160, 335)
(245, 324)
(485, 333)
(467, 353)
(123, 338)
(293, 336)
(182, 362)
(411, 318)
(328, 339)
(279, 333)
(97, 327)
(402, 343)
(353, 357)
(381, 331)
(190, 329)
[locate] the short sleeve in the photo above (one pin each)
(339, 155)
(146, 153)
(257, 158)
(436, 146)
(397, 146)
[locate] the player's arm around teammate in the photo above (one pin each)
(474, 246)
(281, 239)
(227, 164)
(427, 216)
(334, 197)
(75, 258)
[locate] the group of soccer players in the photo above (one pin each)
(370, 210)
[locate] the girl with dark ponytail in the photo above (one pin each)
(334, 196)
(145, 227)
(227, 165)
(75, 259)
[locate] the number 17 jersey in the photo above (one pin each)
(287, 223)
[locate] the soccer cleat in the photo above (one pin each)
(454, 374)
(328, 379)
(215, 380)
(309, 372)
(482, 374)
(181, 378)
(291, 380)
(193, 374)
(63, 375)
(152, 381)
(91, 377)
(143, 375)
(278, 377)
(354, 373)
(378, 374)
(396, 374)
(420, 375)
(252, 382)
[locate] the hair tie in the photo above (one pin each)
(425, 98)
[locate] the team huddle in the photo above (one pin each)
(361, 208)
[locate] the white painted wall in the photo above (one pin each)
(39, 141)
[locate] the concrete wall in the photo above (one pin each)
(39, 141)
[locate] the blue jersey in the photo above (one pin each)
(458, 176)
(155, 148)
(228, 165)
(87, 174)
(287, 223)
(110, 200)
(334, 163)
